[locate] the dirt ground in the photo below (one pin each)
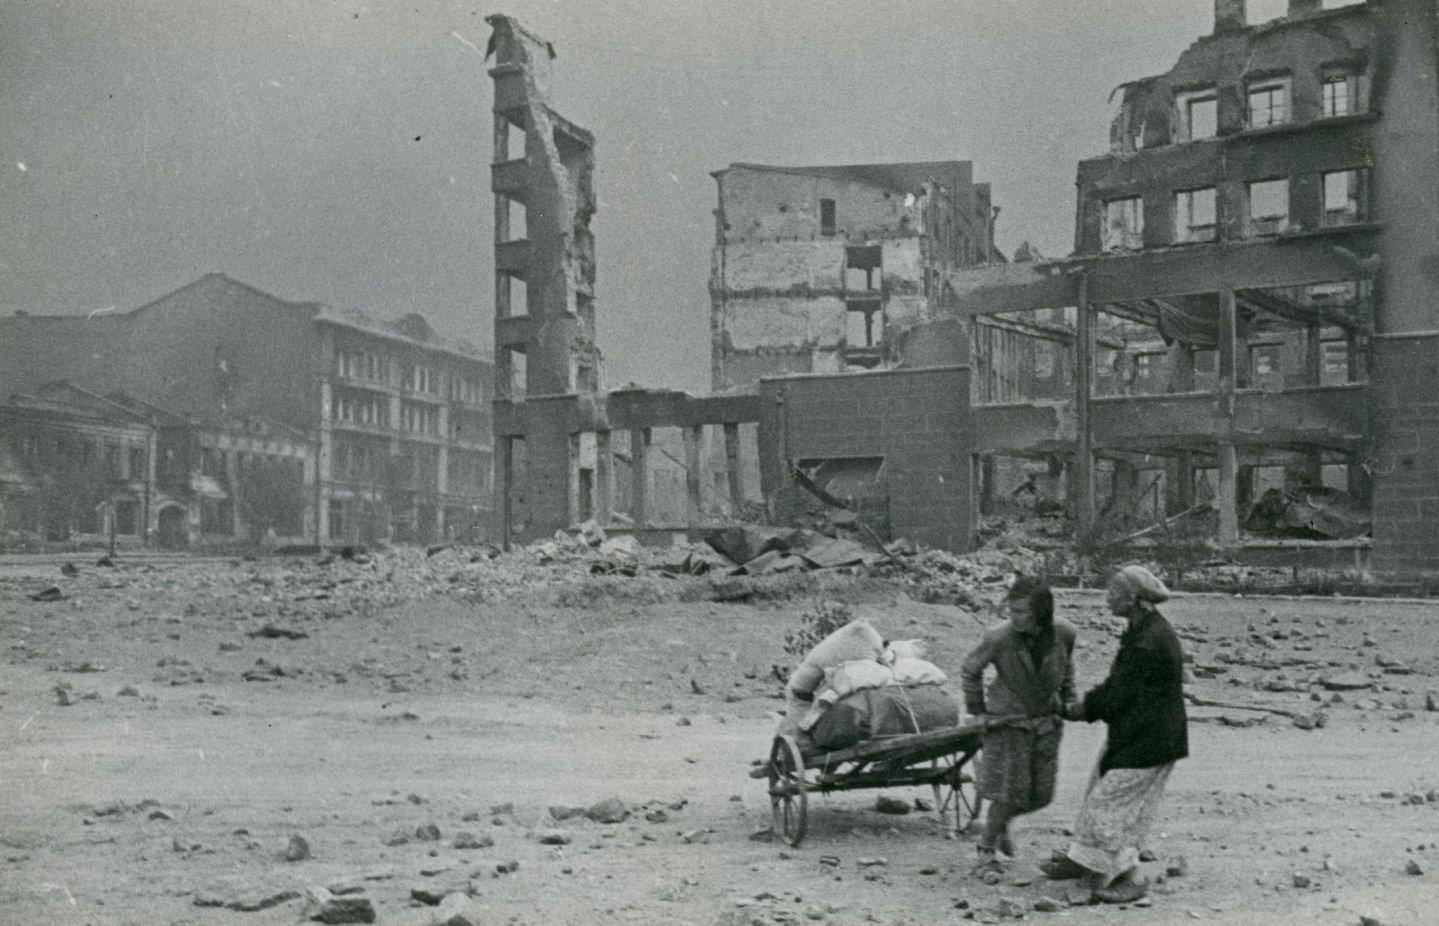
(193, 732)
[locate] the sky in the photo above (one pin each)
(338, 150)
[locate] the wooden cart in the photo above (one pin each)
(937, 758)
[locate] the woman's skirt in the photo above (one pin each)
(1115, 817)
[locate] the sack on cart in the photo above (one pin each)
(891, 710)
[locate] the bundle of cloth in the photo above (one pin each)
(855, 685)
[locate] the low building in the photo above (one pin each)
(357, 429)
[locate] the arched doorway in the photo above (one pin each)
(174, 527)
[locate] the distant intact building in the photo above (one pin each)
(221, 413)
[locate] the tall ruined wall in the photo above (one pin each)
(917, 420)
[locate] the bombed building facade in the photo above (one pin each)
(1250, 301)
(1246, 321)
(251, 417)
(820, 269)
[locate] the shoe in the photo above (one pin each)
(1063, 868)
(1127, 889)
(1006, 845)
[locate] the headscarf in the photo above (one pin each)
(1140, 583)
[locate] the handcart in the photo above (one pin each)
(937, 758)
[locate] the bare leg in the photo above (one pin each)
(996, 826)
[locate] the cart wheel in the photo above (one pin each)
(788, 799)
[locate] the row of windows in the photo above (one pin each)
(363, 365)
(1268, 102)
(352, 410)
(84, 452)
(1266, 206)
(420, 419)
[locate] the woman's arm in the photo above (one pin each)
(971, 674)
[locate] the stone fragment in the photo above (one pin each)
(890, 805)
(1177, 867)
(427, 832)
(610, 810)
(1301, 881)
(554, 838)
(457, 910)
(1047, 905)
(1413, 867)
(323, 907)
(559, 813)
(1345, 682)
(297, 849)
(466, 840)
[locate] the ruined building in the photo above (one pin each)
(220, 413)
(1251, 293)
(818, 269)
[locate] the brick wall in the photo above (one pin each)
(1406, 479)
(918, 420)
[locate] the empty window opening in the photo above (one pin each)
(1197, 114)
(1195, 215)
(1264, 364)
(1268, 207)
(1124, 224)
(1269, 103)
(516, 298)
(514, 362)
(515, 222)
(862, 267)
(1334, 363)
(826, 217)
(865, 326)
(1338, 95)
(1342, 197)
(515, 140)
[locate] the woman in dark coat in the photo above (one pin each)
(1142, 703)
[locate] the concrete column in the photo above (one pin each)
(694, 481)
(986, 483)
(1179, 483)
(1227, 496)
(732, 469)
(506, 447)
(232, 476)
(604, 479)
(1083, 480)
(639, 474)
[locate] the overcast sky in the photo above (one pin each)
(338, 150)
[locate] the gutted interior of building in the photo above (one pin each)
(1230, 351)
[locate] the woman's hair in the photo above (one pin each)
(1041, 600)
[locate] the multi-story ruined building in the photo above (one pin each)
(1256, 256)
(819, 269)
(219, 412)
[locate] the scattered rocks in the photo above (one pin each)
(274, 632)
(1177, 867)
(297, 849)
(554, 838)
(507, 868)
(1047, 905)
(467, 840)
(1413, 867)
(1348, 682)
(560, 813)
(248, 902)
(457, 910)
(1301, 881)
(427, 832)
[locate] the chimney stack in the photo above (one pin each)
(1229, 15)
(1300, 7)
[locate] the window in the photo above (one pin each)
(1268, 207)
(1263, 359)
(1343, 200)
(137, 463)
(112, 461)
(1197, 114)
(1269, 103)
(346, 363)
(1195, 215)
(424, 379)
(1334, 363)
(1123, 225)
(1338, 96)
(826, 217)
